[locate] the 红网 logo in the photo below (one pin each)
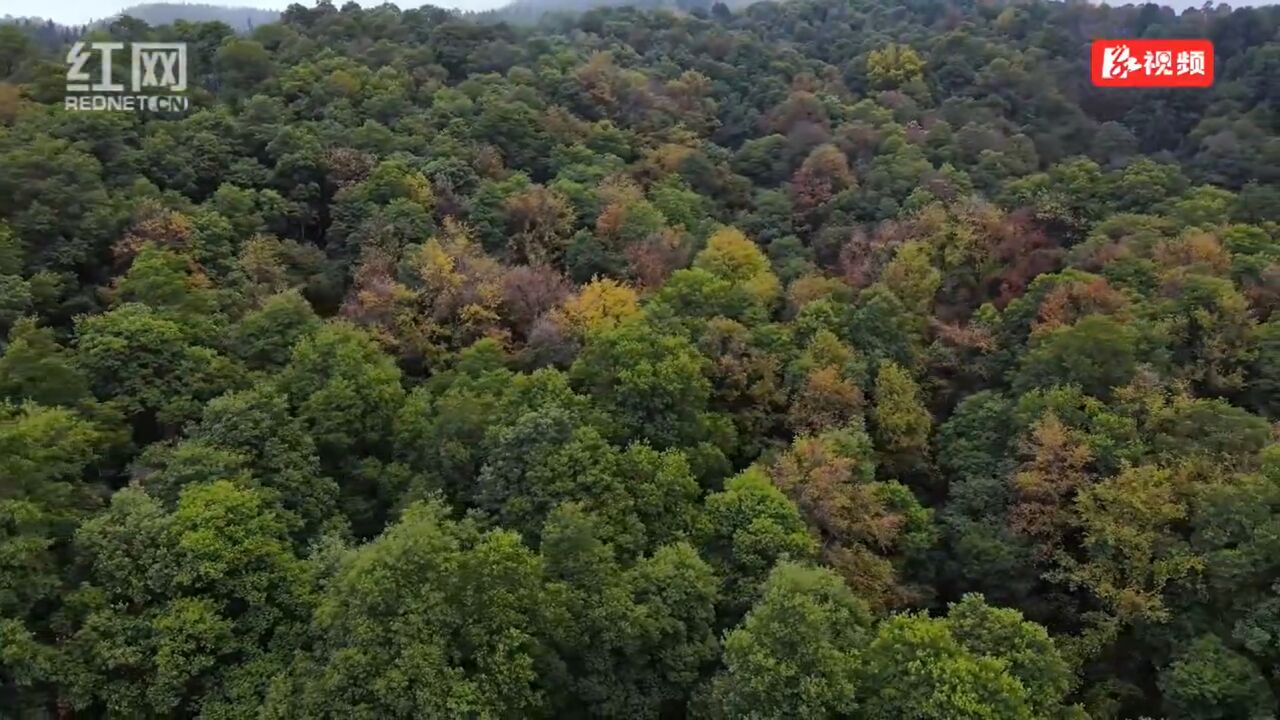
(1152, 63)
(157, 77)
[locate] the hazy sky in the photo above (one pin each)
(72, 12)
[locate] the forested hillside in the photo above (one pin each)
(832, 358)
(241, 19)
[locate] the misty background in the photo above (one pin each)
(79, 12)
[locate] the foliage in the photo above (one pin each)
(687, 359)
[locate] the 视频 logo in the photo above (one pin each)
(1152, 63)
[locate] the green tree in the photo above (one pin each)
(166, 282)
(202, 603)
(346, 392)
(901, 422)
(432, 618)
(633, 641)
(244, 64)
(264, 338)
(256, 425)
(1210, 680)
(15, 49)
(49, 486)
(1097, 354)
(748, 528)
(151, 367)
(650, 383)
(978, 662)
(797, 652)
(643, 498)
(35, 367)
(1264, 378)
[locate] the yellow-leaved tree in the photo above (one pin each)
(731, 256)
(893, 66)
(601, 303)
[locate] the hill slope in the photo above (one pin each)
(825, 359)
(240, 18)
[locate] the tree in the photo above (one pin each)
(978, 662)
(439, 433)
(539, 221)
(544, 459)
(869, 530)
(245, 64)
(1210, 680)
(35, 367)
(432, 604)
(633, 641)
(1210, 325)
(882, 328)
(1027, 649)
(1097, 354)
(201, 603)
(49, 487)
(974, 442)
(52, 461)
(797, 652)
(824, 174)
(900, 420)
(1209, 428)
(55, 203)
(651, 384)
(1264, 380)
(1130, 543)
(151, 367)
(912, 277)
(165, 282)
(1044, 486)
(746, 529)
(15, 291)
(693, 295)
(600, 304)
(444, 295)
(893, 66)
(387, 210)
(256, 425)
(15, 49)
(346, 392)
(265, 338)
(344, 389)
(529, 291)
(731, 256)
(825, 400)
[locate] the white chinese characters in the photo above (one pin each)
(1158, 63)
(160, 65)
(157, 69)
(1118, 63)
(1191, 62)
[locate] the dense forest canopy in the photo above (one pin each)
(831, 358)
